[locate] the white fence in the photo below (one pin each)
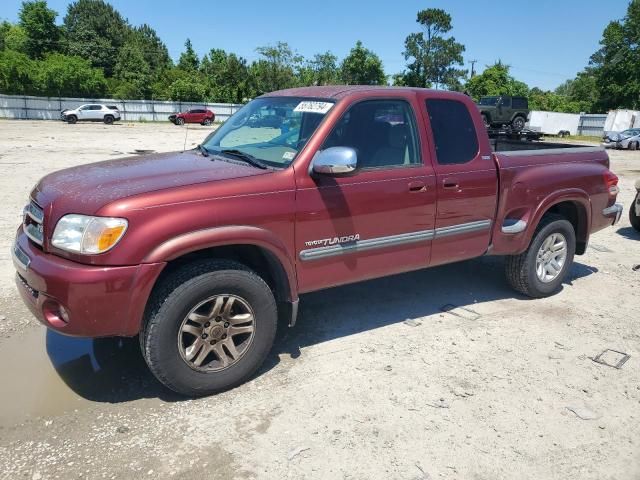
(48, 108)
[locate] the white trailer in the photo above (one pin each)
(553, 123)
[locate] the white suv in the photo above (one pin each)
(92, 112)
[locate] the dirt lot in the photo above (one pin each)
(355, 391)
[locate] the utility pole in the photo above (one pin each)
(473, 69)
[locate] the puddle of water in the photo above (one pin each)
(45, 374)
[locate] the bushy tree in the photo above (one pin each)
(189, 61)
(277, 69)
(153, 49)
(65, 76)
(433, 58)
(13, 37)
(39, 25)
(362, 67)
(133, 72)
(226, 76)
(324, 69)
(188, 89)
(17, 72)
(616, 65)
(95, 30)
(495, 80)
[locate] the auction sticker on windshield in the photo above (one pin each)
(313, 107)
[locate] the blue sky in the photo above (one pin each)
(545, 42)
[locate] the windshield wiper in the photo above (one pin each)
(203, 150)
(250, 159)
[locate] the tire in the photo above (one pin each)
(633, 217)
(179, 121)
(518, 123)
(72, 119)
(486, 121)
(521, 269)
(108, 119)
(634, 146)
(206, 122)
(185, 293)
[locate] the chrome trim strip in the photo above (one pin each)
(32, 236)
(516, 227)
(364, 245)
(392, 240)
(550, 151)
(462, 228)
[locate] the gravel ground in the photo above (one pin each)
(375, 381)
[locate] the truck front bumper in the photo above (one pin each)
(614, 211)
(82, 300)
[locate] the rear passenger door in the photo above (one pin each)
(467, 181)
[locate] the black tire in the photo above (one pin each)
(521, 269)
(634, 146)
(633, 217)
(518, 123)
(486, 121)
(206, 122)
(172, 301)
(72, 119)
(108, 119)
(179, 121)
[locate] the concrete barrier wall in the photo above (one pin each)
(48, 108)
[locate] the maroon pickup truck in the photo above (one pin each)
(200, 252)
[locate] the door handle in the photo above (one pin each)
(450, 183)
(417, 186)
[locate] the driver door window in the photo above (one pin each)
(382, 132)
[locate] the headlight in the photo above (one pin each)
(88, 235)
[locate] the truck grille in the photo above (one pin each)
(33, 223)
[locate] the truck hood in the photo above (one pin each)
(87, 188)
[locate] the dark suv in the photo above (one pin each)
(504, 110)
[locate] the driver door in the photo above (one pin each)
(377, 221)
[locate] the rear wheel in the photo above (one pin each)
(108, 119)
(209, 327)
(206, 122)
(540, 270)
(72, 119)
(633, 216)
(179, 121)
(518, 123)
(486, 121)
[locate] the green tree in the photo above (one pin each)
(324, 69)
(17, 72)
(39, 24)
(13, 37)
(433, 58)
(153, 49)
(65, 76)
(133, 72)
(495, 80)
(362, 67)
(616, 65)
(189, 58)
(226, 75)
(277, 69)
(95, 30)
(188, 89)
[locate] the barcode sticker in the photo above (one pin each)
(313, 107)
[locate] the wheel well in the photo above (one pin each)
(258, 259)
(576, 214)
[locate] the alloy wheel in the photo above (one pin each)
(551, 257)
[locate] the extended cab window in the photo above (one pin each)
(382, 132)
(453, 131)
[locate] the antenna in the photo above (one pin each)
(186, 131)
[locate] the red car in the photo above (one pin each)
(195, 115)
(200, 252)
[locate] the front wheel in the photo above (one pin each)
(485, 120)
(209, 327)
(179, 121)
(634, 146)
(72, 119)
(540, 270)
(518, 124)
(108, 119)
(634, 219)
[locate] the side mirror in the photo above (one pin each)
(335, 161)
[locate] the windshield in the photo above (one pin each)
(489, 101)
(630, 133)
(271, 129)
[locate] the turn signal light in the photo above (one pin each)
(611, 182)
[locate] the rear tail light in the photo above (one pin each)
(611, 182)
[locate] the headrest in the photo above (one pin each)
(398, 136)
